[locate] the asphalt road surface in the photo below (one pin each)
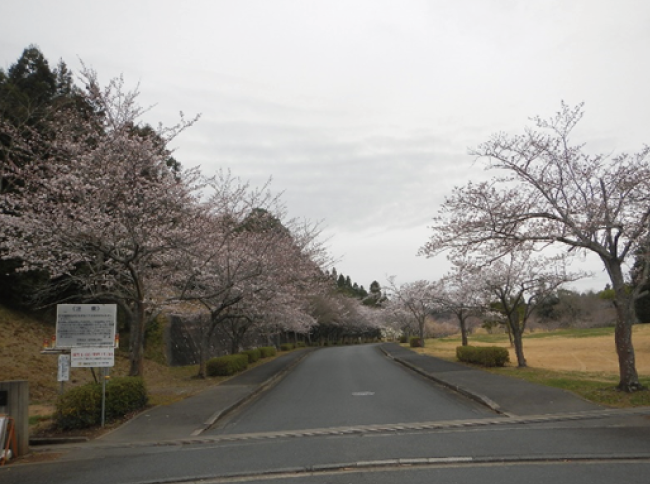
(350, 415)
(348, 386)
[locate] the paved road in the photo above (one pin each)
(348, 386)
(375, 422)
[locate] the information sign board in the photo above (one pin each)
(92, 357)
(85, 325)
(63, 373)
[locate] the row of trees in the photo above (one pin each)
(94, 208)
(549, 193)
(505, 291)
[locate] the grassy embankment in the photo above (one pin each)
(583, 361)
(21, 340)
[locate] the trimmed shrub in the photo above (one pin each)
(403, 339)
(227, 365)
(286, 346)
(81, 407)
(415, 342)
(253, 355)
(268, 351)
(483, 355)
(300, 344)
(124, 395)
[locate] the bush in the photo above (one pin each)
(403, 339)
(286, 346)
(124, 395)
(483, 355)
(81, 407)
(253, 355)
(416, 342)
(301, 344)
(227, 365)
(268, 351)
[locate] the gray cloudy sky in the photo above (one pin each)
(362, 111)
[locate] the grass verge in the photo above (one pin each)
(597, 388)
(582, 361)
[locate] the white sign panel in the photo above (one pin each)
(92, 357)
(63, 373)
(85, 325)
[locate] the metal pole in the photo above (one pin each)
(103, 395)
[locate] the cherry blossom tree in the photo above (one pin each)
(246, 259)
(98, 208)
(330, 311)
(397, 320)
(550, 191)
(266, 309)
(371, 320)
(418, 298)
(518, 283)
(459, 292)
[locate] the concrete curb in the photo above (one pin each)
(40, 441)
(424, 462)
(47, 443)
(269, 383)
(482, 399)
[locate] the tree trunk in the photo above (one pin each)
(207, 328)
(136, 350)
(519, 351)
(625, 318)
(517, 339)
(463, 328)
(234, 345)
(203, 364)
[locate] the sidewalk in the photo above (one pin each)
(190, 417)
(503, 394)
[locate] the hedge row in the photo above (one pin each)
(253, 355)
(483, 355)
(230, 364)
(227, 365)
(268, 351)
(81, 407)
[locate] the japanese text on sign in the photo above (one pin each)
(92, 357)
(85, 325)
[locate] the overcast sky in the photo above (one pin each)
(362, 111)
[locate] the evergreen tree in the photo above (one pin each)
(334, 276)
(375, 298)
(28, 90)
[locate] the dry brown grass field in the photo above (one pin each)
(588, 351)
(583, 361)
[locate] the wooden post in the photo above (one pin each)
(14, 401)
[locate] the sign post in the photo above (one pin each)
(63, 373)
(89, 331)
